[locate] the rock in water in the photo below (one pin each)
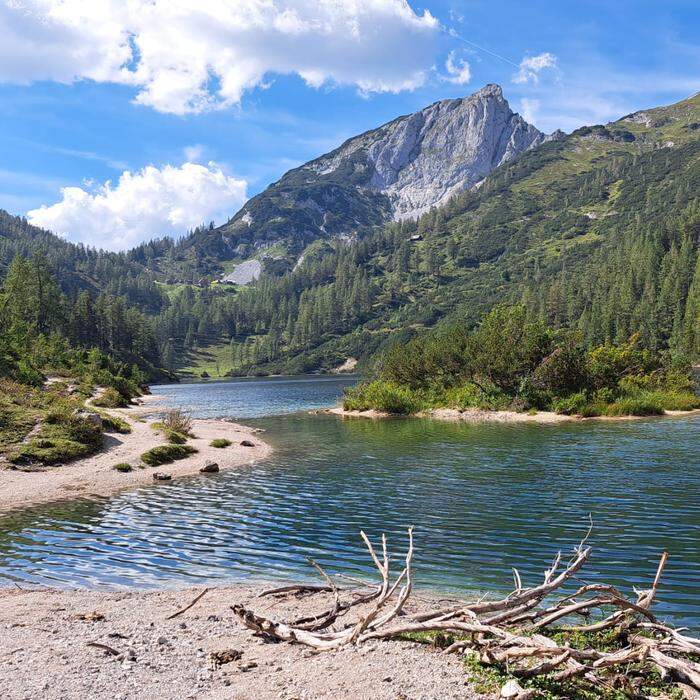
(160, 476)
(209, 468)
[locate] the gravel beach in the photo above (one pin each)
(45, 653)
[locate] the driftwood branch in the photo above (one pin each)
(188, 606)
(509, 632)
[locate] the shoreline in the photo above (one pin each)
(51, 630)
(477, 415)
(93, 476)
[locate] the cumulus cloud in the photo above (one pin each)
(531, 67)
(144, 204)
(458, 70)
(190, 56)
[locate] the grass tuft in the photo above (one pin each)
(123, 467)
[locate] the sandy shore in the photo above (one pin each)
(471, 415)
(44, 651)
(94, 476)
(477, 415)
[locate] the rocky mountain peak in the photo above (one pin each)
(397, 171)
(421, 160)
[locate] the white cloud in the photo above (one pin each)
(531, 67)
(458, 70)
(189, 56)
(529, 108)
(144, 204)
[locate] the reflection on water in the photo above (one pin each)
(483, 498)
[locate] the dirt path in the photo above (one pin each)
(44, 652)
(94, 475)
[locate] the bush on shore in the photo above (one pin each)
(178, 421)
(165, 454)
(220, 442)
(512, 362)
(382, 396)
(111, 398)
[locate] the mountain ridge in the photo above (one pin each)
(396, 171)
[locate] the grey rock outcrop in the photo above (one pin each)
(421, 160)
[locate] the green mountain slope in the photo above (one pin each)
(597, 230)
(398, 170)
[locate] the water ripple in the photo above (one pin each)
(482, 499)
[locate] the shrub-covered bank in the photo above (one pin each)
(511, 363)
(48, 369)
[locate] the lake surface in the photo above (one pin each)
(482, 498)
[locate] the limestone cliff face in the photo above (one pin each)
(397, 171)
(421, 160)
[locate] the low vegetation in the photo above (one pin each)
(123, 467)
(114, 424)
(110, 398)
(178, 421)
(165, 454)
(220, 442)
(512, 362)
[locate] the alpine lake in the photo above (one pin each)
(483, 498)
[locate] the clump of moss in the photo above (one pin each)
(111, 398)
(175, 438)
(164, 454)
(123, 467)
(220, 442)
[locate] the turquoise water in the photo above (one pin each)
(482, 498)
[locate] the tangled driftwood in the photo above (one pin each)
(509, 632)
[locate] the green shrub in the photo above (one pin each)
(678, 401)
(174, 437)
(220, 442)
(164, 454)
(651, 403)
(564, 370)
(123, 467)
(574, 404)
(469, 395)
(608, 364)
(382, 396)
(49, 451)
(110, 398)
(642, 405)
(113, 424)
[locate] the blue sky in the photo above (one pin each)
(77, 125)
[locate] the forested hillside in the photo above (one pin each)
(53, 289)
(597, 231)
